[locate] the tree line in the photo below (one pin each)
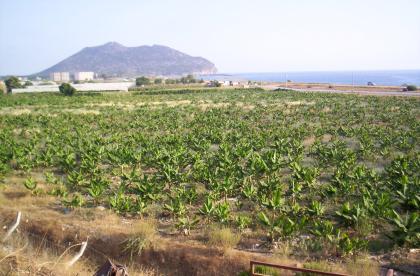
(142, 81)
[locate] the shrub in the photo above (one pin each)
(223, 238)
(158, 81)
(12, 82)
(142, 81)
(411, 87)
(67, 89)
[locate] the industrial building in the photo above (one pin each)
(83, 76)
(60, 76)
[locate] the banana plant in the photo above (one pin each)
(280, 226)
(75, 179)
(242, 222)
(186, 194)
(176, 207)
(295, 189)
(225, 187)
(308, 176)
(351, 246)
(268, 185)
(271, 224)
(275, 202)
(257, 164)
(222, 212)
(58, 191)
(97, 188)
(30, 184)
(208, 208)
(316, 209)
(378, 204)
(76, 201)
(68, 161)
(120, 203)
(139, 206)
(324, 229)
(50, 178)
(408, 194)
(185, 224)
(406, 230)
(148, 189)
(249, 191)
(351, 215)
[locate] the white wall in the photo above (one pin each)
(102, 86)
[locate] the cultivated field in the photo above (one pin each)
(200, 181)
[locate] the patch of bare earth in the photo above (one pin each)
(45, 221)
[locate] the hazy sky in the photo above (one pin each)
(238, 36)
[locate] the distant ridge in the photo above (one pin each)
(114, 59)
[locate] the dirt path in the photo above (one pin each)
(357, 92)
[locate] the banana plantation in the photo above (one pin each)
(331, 175)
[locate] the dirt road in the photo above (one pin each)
(358, 92)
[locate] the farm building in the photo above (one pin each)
(60, 76)
(83, 76)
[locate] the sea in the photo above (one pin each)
(388, 77)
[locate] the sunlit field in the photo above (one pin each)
(327, 176)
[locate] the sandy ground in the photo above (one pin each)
(348, 89)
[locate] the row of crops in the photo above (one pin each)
(336, 174)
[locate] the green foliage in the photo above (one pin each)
(215, 83)
(141, 81)
(188, 79)
(278, 226)
(351, 246)
(406, 229)
(30, 184)
(185, 224)
(11, 83)
(316, 170)
(411, 88)
(316, 209)
(170, 81)
(66, 89)
(76, 201)
(28, 83)
(208, 208)
(158, 81)
(351, 215)
(242, 222)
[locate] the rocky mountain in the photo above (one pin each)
(114, 59)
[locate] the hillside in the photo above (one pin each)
(114, 59)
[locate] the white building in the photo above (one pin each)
(83, 76)
(60, 76)
(104, 86)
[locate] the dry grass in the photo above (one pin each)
(283, 249)
(143, 236)
(222, 238)
(107, 231)
(324, 266)
(21, 255)
(362, 267)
